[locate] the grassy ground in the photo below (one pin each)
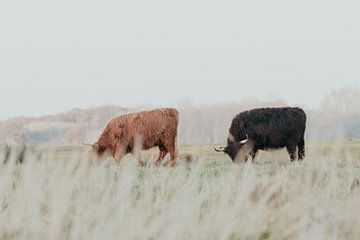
(57, 195)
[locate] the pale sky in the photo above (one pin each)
(59, 55)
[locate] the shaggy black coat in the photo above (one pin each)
(268, 128)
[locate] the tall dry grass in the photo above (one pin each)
(54, 198)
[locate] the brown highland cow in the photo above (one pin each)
(141, 130)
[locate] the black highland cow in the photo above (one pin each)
(266, 128)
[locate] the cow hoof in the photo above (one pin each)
(172, 164)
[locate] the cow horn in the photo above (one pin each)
(220, 149)
(245, 140)
(87, 144)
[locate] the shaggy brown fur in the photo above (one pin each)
(142, 130)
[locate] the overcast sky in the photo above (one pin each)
(58, 55)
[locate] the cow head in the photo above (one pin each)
(98, 151)
(235, 150)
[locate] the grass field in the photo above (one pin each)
(57, 195)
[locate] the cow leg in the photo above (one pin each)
(118, 154)
(253, 153)
(140, 162)
(162, 155)
(170, 147)
(172, 157)
(292, 151)
(168, 141)
(301, 149)
(137, 155)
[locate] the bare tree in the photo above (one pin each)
(343, 102)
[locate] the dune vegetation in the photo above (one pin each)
(58, 195)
